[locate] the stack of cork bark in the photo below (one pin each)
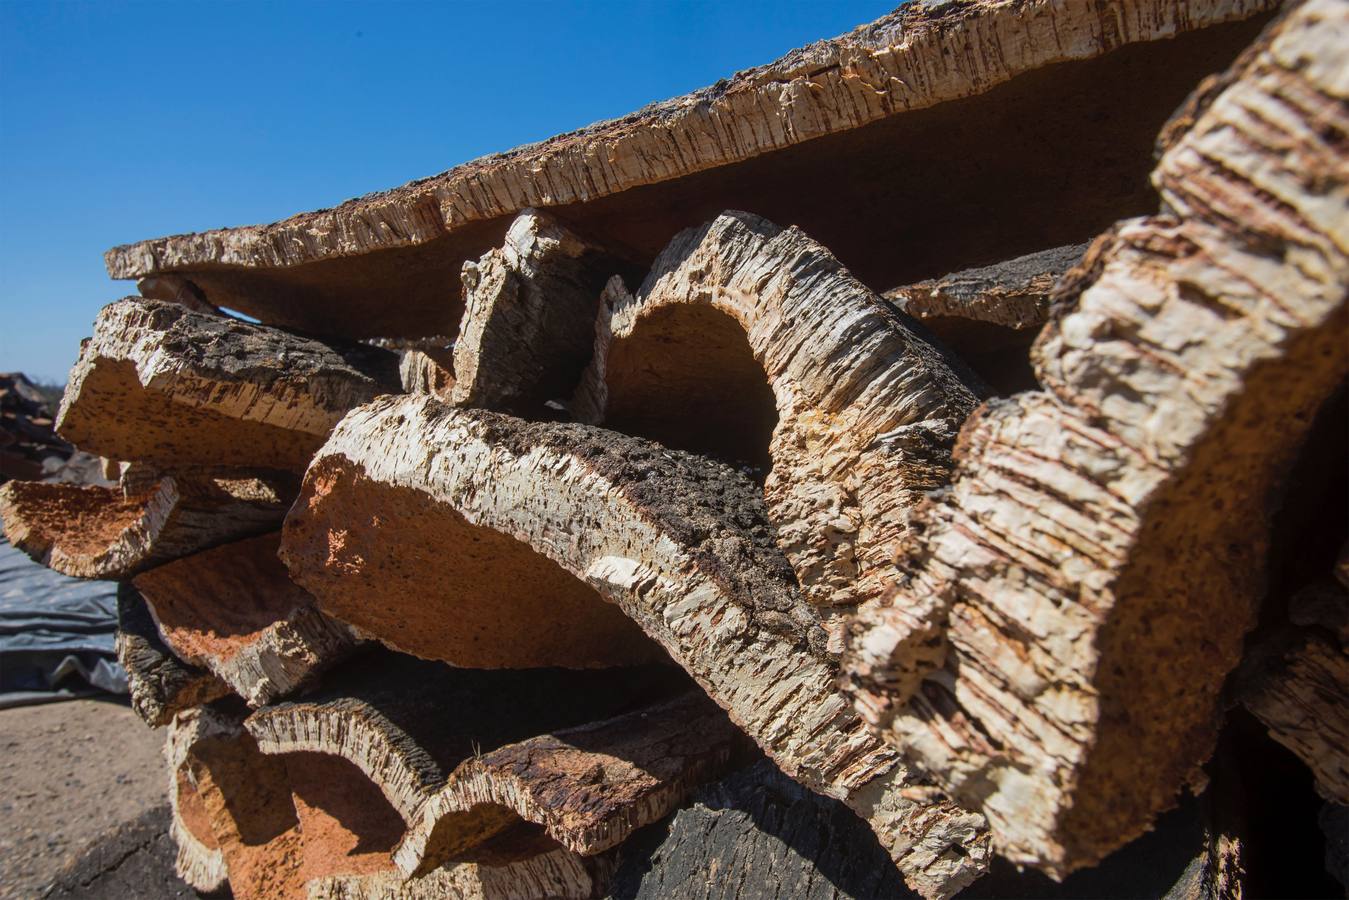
(536, 520)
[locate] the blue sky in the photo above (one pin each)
(123, 121)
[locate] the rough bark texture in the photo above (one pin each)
(300, 272)
(162, 384)
(199, 861)
(862, 411)
(529, 313)
(1300, 690)
(680, 544)
(989, 316)
(427, 372)
(589, 788)
(373, 713)
(161, 685)
(234, 611)
(522, 865)
(387, 557)
(176, 289)
(1013, 294)
(281, 822)
(110, 533)
(1082, 589)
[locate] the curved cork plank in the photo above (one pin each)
(373, 713)
(521, 864)
(680, 544)
(199, 860)
(112, 533)
(866, 93)
(416, 575)
(861, 410)
(234, 611)
(161, 685)
(1083, 588)
(1299, 689)
(162, 384)
(529, 314)
(589, 787)
(282, 821)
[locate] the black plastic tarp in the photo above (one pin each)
(56, 632)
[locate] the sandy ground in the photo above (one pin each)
(70, 772)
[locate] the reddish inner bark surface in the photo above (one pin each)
(83, 522)
(415, 574)
(213, 604)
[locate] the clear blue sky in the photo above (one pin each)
(122, 121)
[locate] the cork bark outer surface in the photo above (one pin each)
(682, 546)
(1301, 693)
(373, 712)
(866, 409)
(160, 383)
(113, 533)
(199, 860)
(1089, 576)
(234, 611)
(529, 312)
(588, 787)
(534, 870)
(161, 685)
(918, 57)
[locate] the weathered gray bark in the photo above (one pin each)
(161, 685)
(866, 409)
(680, 544)
(234, 611)
(589, 787)
(427, 372)
(529, 313)
(162, 384)
(97, 532)
(1079, 594)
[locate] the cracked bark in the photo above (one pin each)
(161, 685)
(680, 544)
(865, 410)
(162, 384)
(1101, 544)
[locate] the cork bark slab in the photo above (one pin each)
(282, 821)
(386, 557)
(234, 611)
(407, 723)
(520, 865)
(1090, 574)
(589, 787)
(199, 860)
(1300, 691)
(861, 410)
(988, 316)
(682, 546)
(529, 312)
(98, 532)
(933, 107)
(161, 685)
(162, 384)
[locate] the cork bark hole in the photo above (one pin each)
(690, 381)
